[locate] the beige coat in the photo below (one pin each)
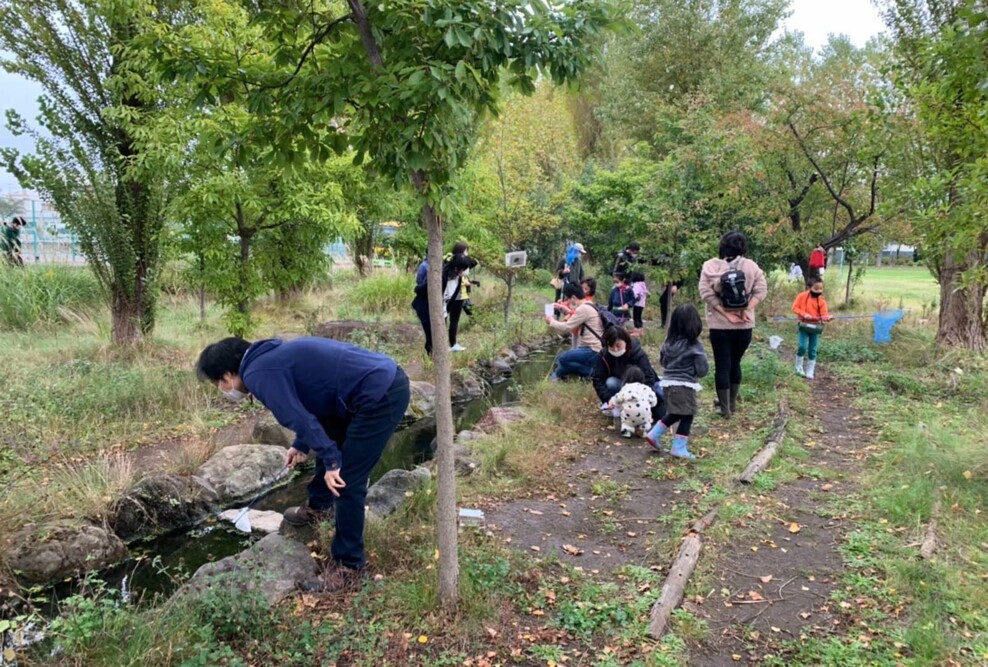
(755, 284)
(585, 314)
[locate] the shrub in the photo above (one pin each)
(383, 293)
(41, 295)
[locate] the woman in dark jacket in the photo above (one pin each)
(619, 351)
(451, 291)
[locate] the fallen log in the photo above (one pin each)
(761, 460)
(682, 568)
(675, 585)
(930, 542)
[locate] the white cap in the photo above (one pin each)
(580, 248)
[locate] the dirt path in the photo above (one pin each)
(616, 492)
(774, 583)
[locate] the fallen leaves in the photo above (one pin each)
(794, 527)
(571, 550)
(767, 578)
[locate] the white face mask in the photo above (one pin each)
(234, 395)
(617, 352)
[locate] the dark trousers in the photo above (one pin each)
(636, 313)
(455, 308)
(685, 423)
(421, 307)
(362, 440)
(729, 347)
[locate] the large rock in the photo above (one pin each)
(366, 334)
(261, 521)
(502, 366)
(49, 552)
(389, 492)
(497, 418)
(423, 400)
(159, 504)
(465, 386)
(274, 566)
(241, 471)
(267, 431)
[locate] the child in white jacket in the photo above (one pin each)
(636, 400)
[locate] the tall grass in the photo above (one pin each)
(383, 294)
(35, 296)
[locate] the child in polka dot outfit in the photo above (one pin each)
(636, 401)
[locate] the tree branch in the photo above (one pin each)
(826, 181)
(313, 43)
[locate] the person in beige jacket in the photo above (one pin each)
(586, 321)
(730, 328)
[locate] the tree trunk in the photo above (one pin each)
(243, 303)
(961, 308)
(446, 527)
(202, 302)
(507, 301)
(125, 315)
(850, 279)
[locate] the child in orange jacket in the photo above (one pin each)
(811, 309)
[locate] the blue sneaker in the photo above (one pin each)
(679, 449)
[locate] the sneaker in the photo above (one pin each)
(627, 433)
(457, 348)
(336, 579)
(304, 515)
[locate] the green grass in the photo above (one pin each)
(910, 287)
(43, 296)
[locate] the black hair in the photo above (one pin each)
(460, 247)
(618, 275)
(18, 220)
(637, 277)
(685, 324)
(634, 246)
(633, 374)
(220, 358)
(733, 244)
(614, 334)
(572, 290)
(589, 286)
(815, 280)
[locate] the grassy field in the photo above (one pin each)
(912, 287)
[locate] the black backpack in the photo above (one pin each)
(733, 294)
(607, 320)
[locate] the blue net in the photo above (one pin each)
(884, 321)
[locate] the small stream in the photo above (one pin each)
(160, 565)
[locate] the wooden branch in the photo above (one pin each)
(675, 585)
(359, 15)
(826, 181)
(313, 43)
(930, 541)
(705, 522)
(761, 460)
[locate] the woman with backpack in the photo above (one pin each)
(731, 286)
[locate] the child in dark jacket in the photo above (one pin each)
(684, 362)
(622, 299)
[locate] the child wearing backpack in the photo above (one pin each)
(811, 309)
(636, 400)
(639, 290)
(622, 299)
(684, 362)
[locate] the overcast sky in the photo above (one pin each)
(816, 19)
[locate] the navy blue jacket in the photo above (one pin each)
(308, 380)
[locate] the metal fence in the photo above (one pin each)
(45, 239)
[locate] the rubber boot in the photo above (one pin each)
(724, 402)
(735, 390)
(679, 449)
(799, 367)
(652, 437)
(810, 368)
